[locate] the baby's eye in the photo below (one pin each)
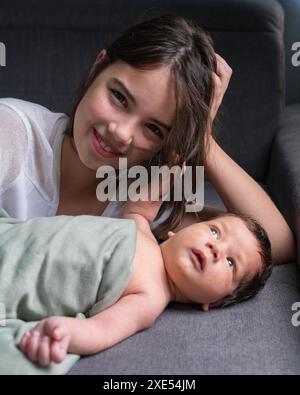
(215, 230)
(230, 262)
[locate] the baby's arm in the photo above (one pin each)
(54, 337)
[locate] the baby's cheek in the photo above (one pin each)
(221, 285)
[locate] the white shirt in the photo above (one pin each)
(30, 152)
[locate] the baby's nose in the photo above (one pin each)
(215, 250)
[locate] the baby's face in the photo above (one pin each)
(208, 260)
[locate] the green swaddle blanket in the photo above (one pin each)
(63, 265)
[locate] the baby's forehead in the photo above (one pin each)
(229, 224)
(230, 219)
(234, 227)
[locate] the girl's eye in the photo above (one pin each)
(230, 262)
(215, 230)
(119, 97)
(155, 130)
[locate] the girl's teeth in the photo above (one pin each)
(105, 147)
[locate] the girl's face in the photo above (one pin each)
(126, 113)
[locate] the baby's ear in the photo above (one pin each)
(170, 234)
(205, 307)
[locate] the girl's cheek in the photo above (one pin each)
(97, 105)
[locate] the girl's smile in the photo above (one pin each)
(102, 147)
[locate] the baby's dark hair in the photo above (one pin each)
(250, 287)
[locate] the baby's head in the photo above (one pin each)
(218, 262)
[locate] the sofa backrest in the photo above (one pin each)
(51, 45)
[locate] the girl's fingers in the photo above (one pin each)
(222, 64)
(221, 80)
(43, 353)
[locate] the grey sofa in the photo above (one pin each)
(50, 46)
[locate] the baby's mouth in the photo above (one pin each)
(200, 259)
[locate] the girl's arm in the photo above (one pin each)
(242, 193)
(237, 189)
(144, 212)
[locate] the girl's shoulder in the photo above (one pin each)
(30, 145)
(35, 117)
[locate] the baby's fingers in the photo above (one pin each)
(33, 345)
(24, 341)
(59, 349)
(43, 354)
(55, 329)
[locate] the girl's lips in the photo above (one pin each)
(200, 259)
(101, 151)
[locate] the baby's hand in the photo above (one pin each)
(48, 341)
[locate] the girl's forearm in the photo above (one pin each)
(241, 193)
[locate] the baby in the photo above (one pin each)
(212, 263)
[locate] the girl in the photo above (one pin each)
(150, 97)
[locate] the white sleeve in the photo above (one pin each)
(13, 146)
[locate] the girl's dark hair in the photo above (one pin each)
(187, 50)
(251, 286)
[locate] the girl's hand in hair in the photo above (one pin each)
(220, 84)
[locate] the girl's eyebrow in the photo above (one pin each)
(130, 96)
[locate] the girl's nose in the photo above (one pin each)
(122, 133)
